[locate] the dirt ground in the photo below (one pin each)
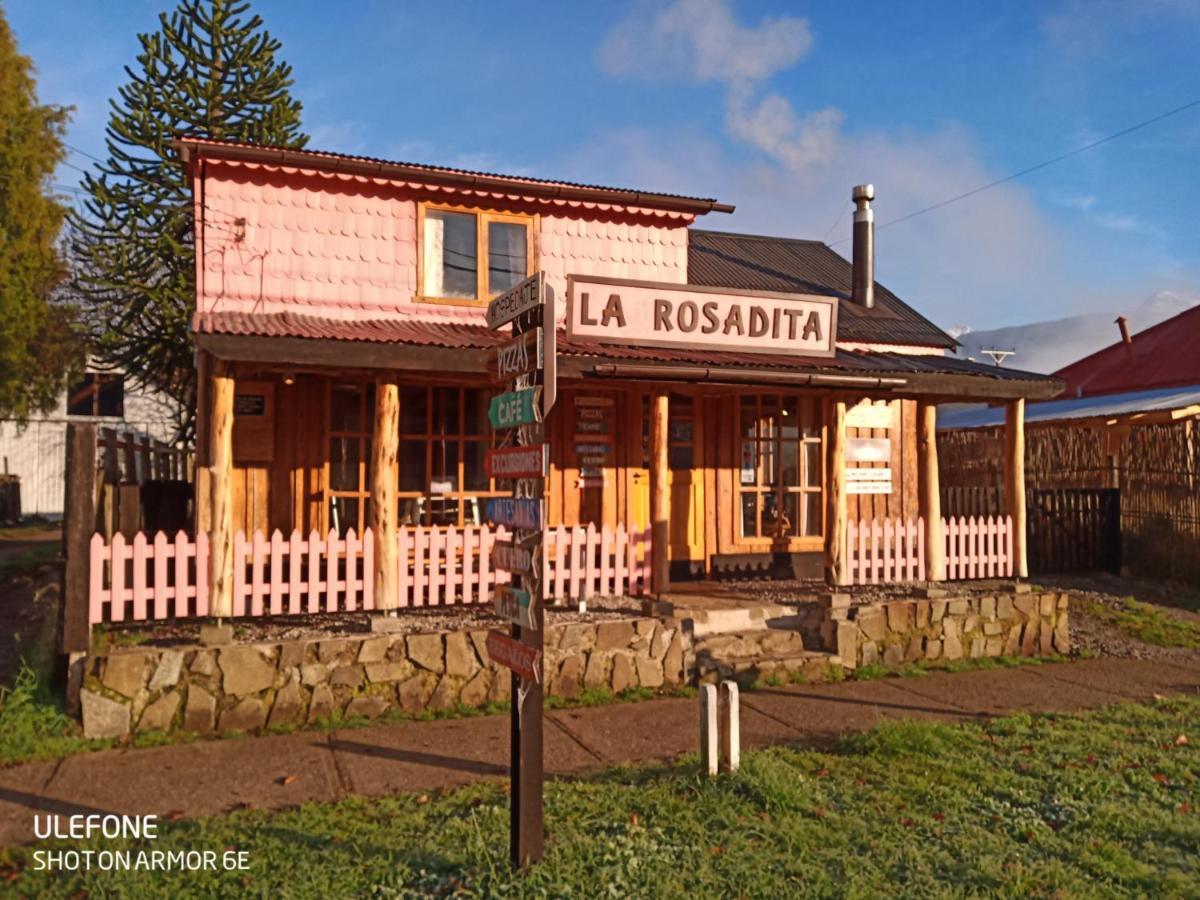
(1090, 634)
(28, 600)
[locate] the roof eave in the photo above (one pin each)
(190, 149)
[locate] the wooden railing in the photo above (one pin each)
(890, 551)
(164, 577)
(894, 551)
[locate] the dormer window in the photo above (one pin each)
(472, 255)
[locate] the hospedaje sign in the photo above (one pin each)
(656, 314)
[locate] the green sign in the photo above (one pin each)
(514, 408)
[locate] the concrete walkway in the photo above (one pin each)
(272, 772)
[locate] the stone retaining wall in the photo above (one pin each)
(250, 686)
(1017, 623)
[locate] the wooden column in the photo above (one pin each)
(79, 523)
(660, 495)
(836, 572)
(385, 442)
(220, 454)
(202, 476)
(930, 499)
(1014, 480)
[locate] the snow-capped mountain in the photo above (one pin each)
(1048, 346)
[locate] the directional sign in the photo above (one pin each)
(512, 557)
(515, 408)
(515, 605)
(518, 462)
(592, 448)
(514, 513)
(514, 655)
(516, 300)
(521, 355)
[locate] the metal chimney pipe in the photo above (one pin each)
(862, 289)
(1124, 328)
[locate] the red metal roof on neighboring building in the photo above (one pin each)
(1164, 355)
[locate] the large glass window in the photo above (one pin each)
(472, 255)
(444, 434)
(98, 394)
(351, 405)
(781, 467)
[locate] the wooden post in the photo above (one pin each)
(835, 534)
(930, 505)
(660, 496)
(384, 449)
(202, 475)
(220, 544)
(79, 522)
(1014, 480)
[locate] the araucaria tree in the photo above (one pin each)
(37, 344)
(211, 69)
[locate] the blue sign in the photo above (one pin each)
(515, 513)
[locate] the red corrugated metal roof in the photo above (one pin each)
(462, 336)
(1164, 355)
(382, 331)
(323, 159)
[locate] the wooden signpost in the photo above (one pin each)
(527, 365)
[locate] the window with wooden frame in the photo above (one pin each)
(97, 394)
(471, 255)
(444, 435)
(781, 467)
(347, 477)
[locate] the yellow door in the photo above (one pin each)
(685, 476)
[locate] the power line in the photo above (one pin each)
(836, 222)
(1034, 168)
(83, 153)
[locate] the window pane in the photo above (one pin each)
(346, 408)
(343, 514)
(791, 512)
(111, 401)
(748, 469)
(343, 464)
(812, 502)
(791, 464)
(474, 478)
(413, 409)
(812, 464)
(475, 414)
(506, 256)
(445, 411)
(749, 514)
(412, 466)
(450, 264)
(770, 515)
(445, 467)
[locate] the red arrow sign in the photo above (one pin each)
(514, 655)
(518, 462)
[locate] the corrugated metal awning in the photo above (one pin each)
(1180, 401)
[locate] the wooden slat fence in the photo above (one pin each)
(978, 547)
(887, 552)
(583, 563)
(165, 577)
(893, 551)
(1074, 530)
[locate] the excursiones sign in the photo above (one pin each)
(615, 311)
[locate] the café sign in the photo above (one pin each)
(653, 314)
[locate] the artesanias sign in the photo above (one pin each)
(613, 311)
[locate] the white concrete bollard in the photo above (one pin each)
(729, 746)
(708, 729)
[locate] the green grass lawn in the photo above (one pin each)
(1149, 623)
(1100, 804)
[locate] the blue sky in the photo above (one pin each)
(776, 107)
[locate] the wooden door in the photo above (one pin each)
(685, 476)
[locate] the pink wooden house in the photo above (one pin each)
(327, 281)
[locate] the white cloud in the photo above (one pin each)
(700, 40)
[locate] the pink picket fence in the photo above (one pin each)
(893, 551)
(167, 577)
(885, 552)
(978, 547)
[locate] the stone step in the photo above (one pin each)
(806, 665)
(728, 620)
(749, 643)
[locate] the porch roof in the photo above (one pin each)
(298, 338)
